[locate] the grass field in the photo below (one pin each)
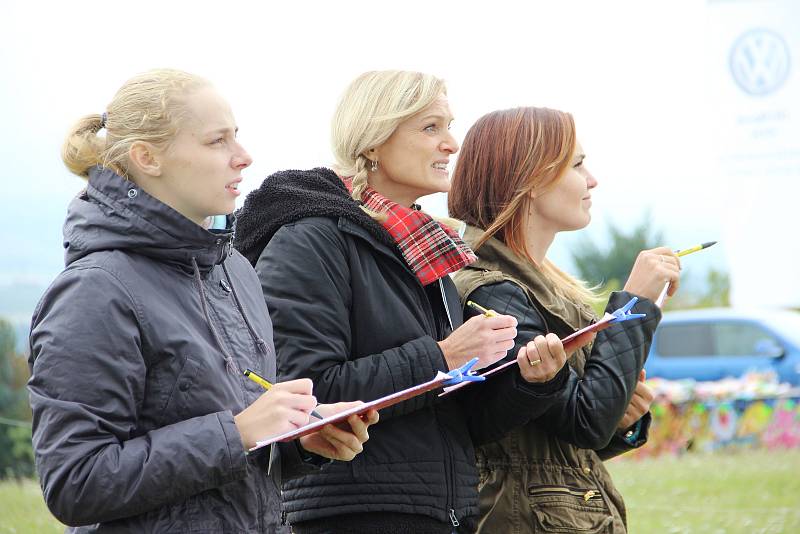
(22, 509)
(753, 492)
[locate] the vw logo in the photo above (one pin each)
(759, 62)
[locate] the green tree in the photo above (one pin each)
(7, 353)
(16, 453)
(608, 268)
(715, 293)
(602, 266)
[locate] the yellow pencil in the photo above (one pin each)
(257, 379)
(261, 381)
(484, 311)
(663, 296)
(686, 251)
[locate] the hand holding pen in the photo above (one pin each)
(667, 289)
(651, 270)
(541, 358)
(283, 407)
(487, 337)
(286, 406)
(264, 383)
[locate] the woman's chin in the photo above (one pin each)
(440, 185)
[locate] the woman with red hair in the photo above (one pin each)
(519, 180)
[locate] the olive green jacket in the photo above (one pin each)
(548, 476)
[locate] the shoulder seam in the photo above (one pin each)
(137, 308)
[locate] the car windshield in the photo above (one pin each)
(788, 325)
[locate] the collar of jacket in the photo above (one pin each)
(288, 196)
(348, 226)
(494, 255)
(115, 214)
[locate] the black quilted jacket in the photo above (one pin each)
(350, 314)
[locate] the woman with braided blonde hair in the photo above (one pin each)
(367, 116)
(356, 279)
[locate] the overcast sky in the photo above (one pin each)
(632, 72)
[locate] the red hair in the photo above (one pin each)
(507, 157)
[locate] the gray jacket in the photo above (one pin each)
(136, 356)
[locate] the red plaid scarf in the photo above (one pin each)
(431, 250)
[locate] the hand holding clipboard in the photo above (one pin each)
(460, 375)
(572, 342)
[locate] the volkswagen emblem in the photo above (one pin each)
(759, 62)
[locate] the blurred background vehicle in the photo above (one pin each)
(715, 343)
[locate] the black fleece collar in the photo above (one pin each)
(288, 196)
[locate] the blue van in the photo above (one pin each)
(714, 343)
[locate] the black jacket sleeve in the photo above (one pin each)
(289, 460)
(620, 443)
(306, 282)
(590, 407)
(506, 401)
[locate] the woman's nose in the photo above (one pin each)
(591, 181)
(449, 144)
(242, 159)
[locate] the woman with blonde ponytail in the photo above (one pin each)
(357, 280)
(519, 180)
(142, 417)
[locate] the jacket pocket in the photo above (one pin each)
(569, 508)
(176, 406)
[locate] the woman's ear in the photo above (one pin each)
(144, 158)
(371, 154)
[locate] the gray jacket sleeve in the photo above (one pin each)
(590, 407)
(88, 381)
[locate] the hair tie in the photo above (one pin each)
(103, 119)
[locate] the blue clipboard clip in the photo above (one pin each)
(624, 313)
(464, 374)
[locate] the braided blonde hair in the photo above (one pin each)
(370, 110)
(148, 107)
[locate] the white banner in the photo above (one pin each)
(754, 108)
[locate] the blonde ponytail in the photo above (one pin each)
(149, 108)
(83, 148)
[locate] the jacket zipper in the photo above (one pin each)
(433, 325)
(261, 490)
(602, 494)
(452, 513)
(586, 495)
(449, 475)
(453, 518)
(449, 468)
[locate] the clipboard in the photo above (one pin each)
(456, 376)
(570, 342)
